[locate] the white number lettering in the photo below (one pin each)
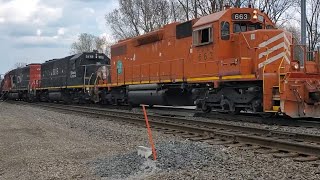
(89, 56)
(240, 16)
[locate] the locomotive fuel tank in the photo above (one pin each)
(150, 97)
(143, 87)
(14, 96)
(55, 96)
(149, 94)
(159, 94)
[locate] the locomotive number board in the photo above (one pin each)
(241, 16)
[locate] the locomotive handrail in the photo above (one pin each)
(247, 42)
(280, 74)
(140, 77)
(263, 79)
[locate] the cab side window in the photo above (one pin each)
(202, 36)
(225, 30)
(239, 27)
(73, 64)
(14, 79)
(270, 27)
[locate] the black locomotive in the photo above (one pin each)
(72, 78)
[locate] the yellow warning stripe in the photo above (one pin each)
(249, 76)
(142, 82)
(18, 90)
(197, 79)
(203, 79)
(233, 77)
(64, 87)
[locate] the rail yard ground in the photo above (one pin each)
(41, 144)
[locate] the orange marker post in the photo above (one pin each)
(149, 133)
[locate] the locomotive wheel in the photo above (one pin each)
(131, 105)
(206, 109)
(267, 115)
(235, 112)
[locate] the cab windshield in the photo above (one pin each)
(243, 27)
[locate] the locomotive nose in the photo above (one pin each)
(275, 47)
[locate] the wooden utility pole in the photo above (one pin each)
(303, 26)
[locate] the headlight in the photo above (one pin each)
(255, 16)
(296, 66)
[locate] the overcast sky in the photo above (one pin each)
(33, 31)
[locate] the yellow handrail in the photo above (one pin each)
(285, 51)
(280, 74)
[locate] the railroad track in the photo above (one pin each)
(243, 117)
(301, 147)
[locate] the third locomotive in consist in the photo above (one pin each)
(231, 60)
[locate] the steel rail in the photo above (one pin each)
(243, 118)
(216, 125)
(292, 142)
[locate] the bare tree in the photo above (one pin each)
(123, 21)
(313, 24)
(295, 32)
(206, 7)
(85, 43)
(275, 9)
(120, 25)
(103, 45)
(20, 65)
(187, 6)
(100, 44)
(136, 17)
(297, 51)
(88, 42)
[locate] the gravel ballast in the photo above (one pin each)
(172, 155)
(43, 144)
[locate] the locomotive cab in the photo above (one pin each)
(244, 45)
(227, 43)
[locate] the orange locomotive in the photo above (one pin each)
(231, 60)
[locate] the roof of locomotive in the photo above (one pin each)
(210, 18)
(76, 56)
(204, 20)
(218, 15)
(21, 68)
(53, 60)
(72, 57)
